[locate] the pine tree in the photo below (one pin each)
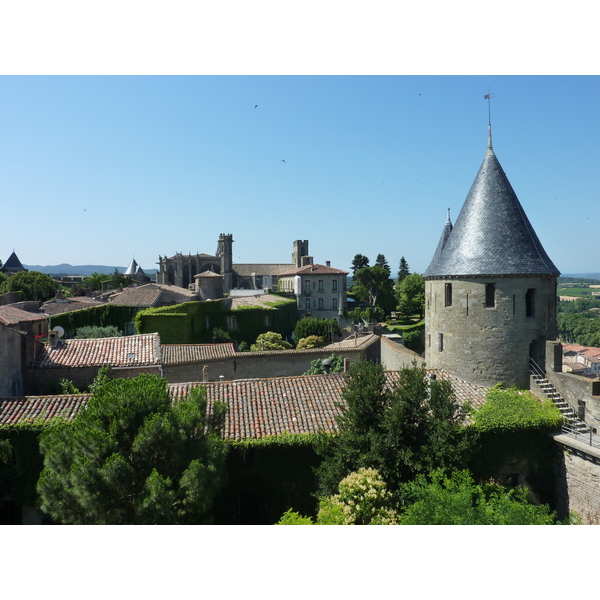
(359, 262)
(403, 270)
(382, 262)
(132, 456)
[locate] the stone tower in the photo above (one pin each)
(490, 288)
(225, 253)
(300, 256)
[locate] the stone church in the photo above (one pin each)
(490, 288)
(181, 269)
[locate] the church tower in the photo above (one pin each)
(490, 288)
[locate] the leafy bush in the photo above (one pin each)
(513, 410)
(458, 500)
(316, 366)
(269, 341)
(311, 326)
(220, 335)
(92, 331)
(312, 341)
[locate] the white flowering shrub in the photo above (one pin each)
(363, 499)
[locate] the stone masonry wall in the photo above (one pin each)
(578, 481)
(251, 365)
(395, 356)
(489, 345)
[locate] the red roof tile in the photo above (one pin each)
(257, 407)
(124, 351)
(314, 270)
(9, 315)
(26, 409)
(177, 354)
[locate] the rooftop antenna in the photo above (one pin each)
(489, 97)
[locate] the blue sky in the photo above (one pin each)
(97, 169)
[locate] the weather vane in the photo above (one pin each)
(489, 97)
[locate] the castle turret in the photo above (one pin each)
(490, 287)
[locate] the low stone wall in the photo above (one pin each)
(578, 480)
(45, 381)
(394, 356)
(574, 389)
(251, 365)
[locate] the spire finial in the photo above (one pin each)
(449, 216)
(488, 97)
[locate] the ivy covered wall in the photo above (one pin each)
(194, 322)
(99, 316)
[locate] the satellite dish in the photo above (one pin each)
(59, 330)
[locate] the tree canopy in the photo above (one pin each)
(309, 326)
(269, 341)
(381, 261)
(402, 429)
(370, 282)
(403, 270)
(132, 456)
(410, 294)
(458, 500)
(32, 285)
(359, 262)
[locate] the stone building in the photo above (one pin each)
(320, 290)
(490, 288)
(181, 269)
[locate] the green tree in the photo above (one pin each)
(359, 262)
(410, 294)
(134, 457)
(403, 271)
(269, 341)
(369, 282)
(32, 285)
(308, 326)
(402, 429)
(220, 336)
(381, 261)
(312, 341)
(458, 500)
(93, 331)
(95, 281)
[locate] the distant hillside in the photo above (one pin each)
(65, 269)
(570, 276)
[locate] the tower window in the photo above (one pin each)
(441, 342)
(490, 295)
(530, 303)
(448, 296)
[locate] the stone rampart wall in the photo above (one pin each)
(394, 356)
(578, 481)
(251, 365)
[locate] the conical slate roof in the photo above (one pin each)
(13, 264)
(132, 268)
(492, 234)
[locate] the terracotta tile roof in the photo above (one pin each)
(177, 354)
(10, 315)
(304, 404)
(246, 270)
(314, 270)
(68, 305)
(124, 351)
(144, 295)
(257, 407)
(28, 408)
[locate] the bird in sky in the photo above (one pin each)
(256, 106)
(282, 160)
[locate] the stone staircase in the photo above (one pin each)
(571, 422)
